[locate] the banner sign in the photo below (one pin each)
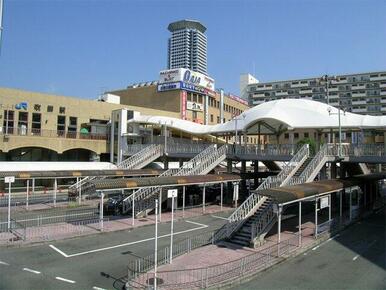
(169, 87)
(194, 106)
(184, 86)
(187, 76)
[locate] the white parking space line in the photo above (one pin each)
(31, 271)
(201, 226)
(356, 257)
(325, 242)
(197, 224)
(4, 263)
(97, 288)
(219, 217)
(59, 251)
(65, 280)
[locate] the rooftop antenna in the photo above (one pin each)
(1, 23)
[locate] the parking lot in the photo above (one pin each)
(78, 263)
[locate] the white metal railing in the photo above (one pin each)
(266, 218)
(252, 203)
(193, 148)
(134, 149)
(201, 164)
(142, 158)
(320, 156)
(359, 150)
(81, 182)
(262, 149)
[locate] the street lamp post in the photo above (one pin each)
(340, 129)
(326, 79)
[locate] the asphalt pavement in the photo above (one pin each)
(92, 262)
(354, 259)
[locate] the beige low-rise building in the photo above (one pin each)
(38, 126)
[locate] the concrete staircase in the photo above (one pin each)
(243, 235)
(137, 161)
(144, 198)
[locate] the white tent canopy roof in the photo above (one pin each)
(275, 116)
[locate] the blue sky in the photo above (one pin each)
(82, 47)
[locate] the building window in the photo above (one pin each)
(62, 110)
(9, 117)
(296, 135)
(50, 109)
(306, 135)
(211, 118)
(72, 124)
(61, 125)
(22, 124)
(36, 124)
(286, 136)
(218, 120)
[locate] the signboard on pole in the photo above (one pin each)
(172, 193)
(324, 202)
(9, 179)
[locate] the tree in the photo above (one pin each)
(311, 143)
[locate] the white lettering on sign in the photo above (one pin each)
(172, 193)
(187, 76)
(9, 179)
(194, 106)
(324, 202)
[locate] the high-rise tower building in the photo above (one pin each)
(187, 47)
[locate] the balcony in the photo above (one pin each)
(257, 89)
(332, 89)
(279, 94)
(307, 91)
(339, 81)
(383, 93)
(357, 102)
(379, 78)
(358, 87)
(358, 94)
(383, 85)
(258, 95)
(300, 85)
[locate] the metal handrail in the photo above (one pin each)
(262, 149)
(264, 220)
(324, 152)
(251, 204)
(199, 165)
(150, 152)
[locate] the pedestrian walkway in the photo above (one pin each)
(72, 229)
(225, 263)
